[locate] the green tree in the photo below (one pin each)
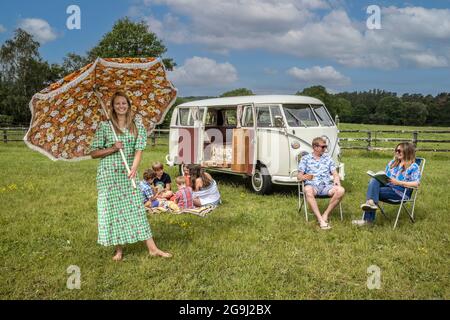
(73, 62)
(438, 109)
(390, 110)
(23, 74)
(343, 108)
(130, 39)
(238, 92)
(415, 114)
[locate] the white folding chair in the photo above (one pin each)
(302, 198)
(409, 197)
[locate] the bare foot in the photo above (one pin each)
(118, 255)
(159, 253)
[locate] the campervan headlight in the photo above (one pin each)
(295, 145)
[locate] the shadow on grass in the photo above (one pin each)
(236, 181)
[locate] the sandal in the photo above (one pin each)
(325, 226)
(368, 207)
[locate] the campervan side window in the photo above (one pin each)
(230, 118)
(263, 117)
(211, 117)
(322, 115)
(183, 117)
(299, 115)
(247, 119)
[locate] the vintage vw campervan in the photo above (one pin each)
(260, 137)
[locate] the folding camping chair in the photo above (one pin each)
(302, 198)
(409, 196)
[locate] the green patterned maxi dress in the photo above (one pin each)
(121, 214)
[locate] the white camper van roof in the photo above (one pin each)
(229, 101)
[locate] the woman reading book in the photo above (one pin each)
(402, 172)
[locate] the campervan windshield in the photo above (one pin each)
(322, 115)
(304, 115)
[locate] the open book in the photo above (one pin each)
(380, 176)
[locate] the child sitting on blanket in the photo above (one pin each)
(162, 181)
(150, 195)
(186, 174)
(183, 197)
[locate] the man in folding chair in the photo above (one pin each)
(314, 171)
(404, 176)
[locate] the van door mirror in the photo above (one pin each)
(279, 123)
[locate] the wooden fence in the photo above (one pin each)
(16, 134)
(372, 139)
(367, 139)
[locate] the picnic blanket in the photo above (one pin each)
(172, 207)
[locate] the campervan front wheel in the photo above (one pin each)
(261, 181)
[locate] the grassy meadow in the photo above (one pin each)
(251, 247)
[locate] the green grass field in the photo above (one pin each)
(252, 247)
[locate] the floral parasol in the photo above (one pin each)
(66, 114)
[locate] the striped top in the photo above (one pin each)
(183, 198)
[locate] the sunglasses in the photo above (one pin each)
(398, 151)
(323, 147)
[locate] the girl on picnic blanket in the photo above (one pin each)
(122, 217)
(204, 186)
(403, 172)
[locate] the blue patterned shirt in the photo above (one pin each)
(146, 189)
(321, 169)
(409, 175)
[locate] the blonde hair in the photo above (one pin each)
(131, 126)
(180, 180)
(316, 141)
(157, 166)
(409, 155)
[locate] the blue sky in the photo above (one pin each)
(268, 46)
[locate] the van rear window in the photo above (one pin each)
(183, 117)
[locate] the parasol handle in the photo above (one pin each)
(133, 182)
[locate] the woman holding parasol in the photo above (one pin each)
(122, 217)
(66, 125)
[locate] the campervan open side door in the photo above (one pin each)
(199, 129)
(251, 136)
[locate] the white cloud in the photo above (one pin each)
(319, 75)
(39, 29)
(322, 29)
(2, 28)
(199, 72)
(427, 60)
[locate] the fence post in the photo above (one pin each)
(369, 140)
(153, 138)
(415, 134)
(5, 136)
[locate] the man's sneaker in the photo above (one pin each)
(361, 223)
(369, 207)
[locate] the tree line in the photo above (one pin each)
(24, 72)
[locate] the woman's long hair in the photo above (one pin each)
(196, 171)
(131, 126)
(409, 155)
